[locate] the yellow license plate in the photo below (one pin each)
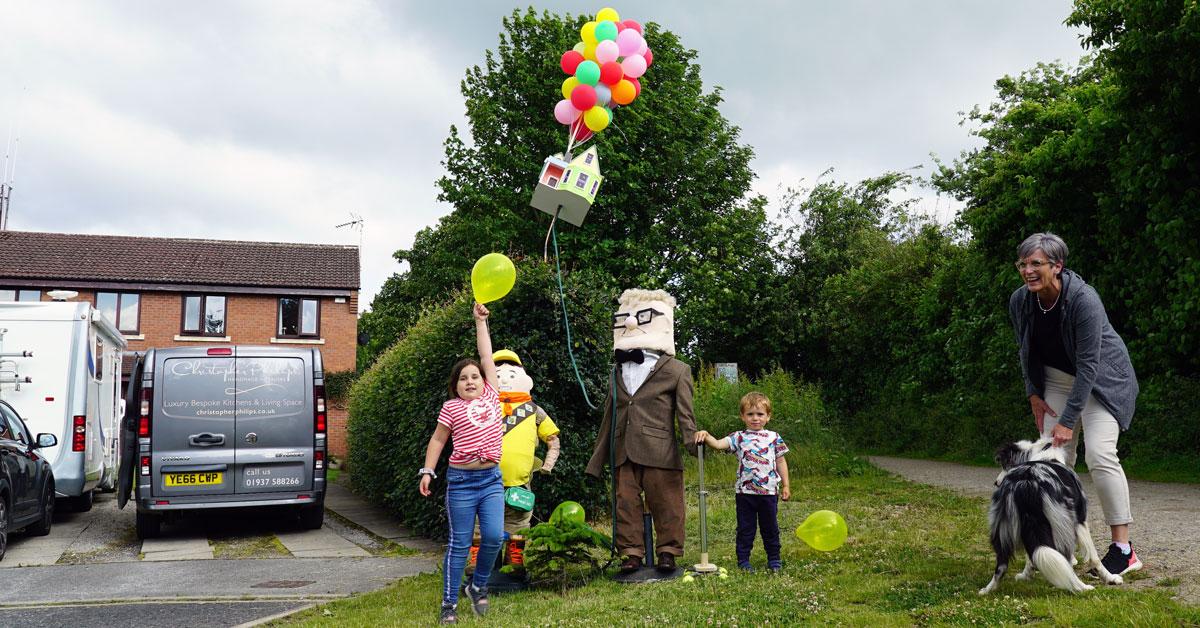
(194, 479)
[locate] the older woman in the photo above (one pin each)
(1078, 376)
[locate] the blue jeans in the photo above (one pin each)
(756, 512)
(471, 493)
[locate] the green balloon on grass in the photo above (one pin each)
(823, 530)
(568, 511)
(588, 72)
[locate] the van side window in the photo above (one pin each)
(203, 315)
(299, 318)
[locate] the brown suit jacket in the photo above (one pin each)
(646, 421)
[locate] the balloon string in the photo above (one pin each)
(562, 299)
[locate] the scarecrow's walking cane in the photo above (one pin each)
(703, 566)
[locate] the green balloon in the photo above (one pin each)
(568, 511)
(823, 530)
(588, 73)
(606, 30)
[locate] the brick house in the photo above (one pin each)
(172, 292)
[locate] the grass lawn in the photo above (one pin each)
(916, 555)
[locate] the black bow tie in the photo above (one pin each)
(637, 356)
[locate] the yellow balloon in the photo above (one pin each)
(596, 118)
(589, 52)
(569, 86)
(588, 34)
(492, 277)
(823, 530)
(608, 13)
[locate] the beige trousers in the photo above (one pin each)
(1101, 451)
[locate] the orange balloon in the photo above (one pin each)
(623, 92)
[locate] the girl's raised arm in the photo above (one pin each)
(483, 341)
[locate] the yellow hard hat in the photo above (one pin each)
(504, 355)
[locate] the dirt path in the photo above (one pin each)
(1165, 531)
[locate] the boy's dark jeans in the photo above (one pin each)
(757, 512)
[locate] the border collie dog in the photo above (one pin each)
(1039, 505)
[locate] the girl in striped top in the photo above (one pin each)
(470, 417)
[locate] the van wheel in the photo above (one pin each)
(148, 526)
(42, 528)
(83, 503)
(312, 517)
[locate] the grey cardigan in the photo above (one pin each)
(1102, 365)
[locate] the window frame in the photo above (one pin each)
(17, 290)
(300, 335)
(117, 323)
(201, 332)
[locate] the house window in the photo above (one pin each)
(299, 318)
(595, 184)
(553, 182)
(587, 159)
(7, 294)
(122, 308)
(203, 315)
(581, 182)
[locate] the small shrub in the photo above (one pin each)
(561, 552)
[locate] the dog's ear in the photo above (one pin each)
(1008, 455)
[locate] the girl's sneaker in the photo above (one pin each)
(479, 601)
(448, 615)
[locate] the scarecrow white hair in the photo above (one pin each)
(636, 296)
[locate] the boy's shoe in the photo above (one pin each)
(746, 567)
(448, 615)
(1118, 562)
(775, 569)
(479, 601)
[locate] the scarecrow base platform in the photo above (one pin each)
(647, 574)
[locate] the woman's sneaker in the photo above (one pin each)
(1118, 562)
(479, 601)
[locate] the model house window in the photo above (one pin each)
(553, 182)
(204, 315)
(581, 182)
(122, 308)
(588, 158)
(7, 294)
(299, 318)
(595, 184)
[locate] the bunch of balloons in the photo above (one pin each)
(602, 72)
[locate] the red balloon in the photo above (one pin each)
(611, 73)
(570, 61)
(634, 25)
(581, 132)
(649, 57)
(583, 97)
(637, 87)
(621, 26)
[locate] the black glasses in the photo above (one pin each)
(643, 317)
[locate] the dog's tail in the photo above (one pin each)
(1055, 567)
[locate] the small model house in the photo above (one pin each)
(567, 190)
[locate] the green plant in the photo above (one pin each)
(338, 384)
(561, 553)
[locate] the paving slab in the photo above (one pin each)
(374, 519)
(189, 548)
(25, 551)
(320, 543)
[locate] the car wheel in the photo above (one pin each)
(148, 526)
(312, 517)
(42, 528)
(3, 525)
(83, 503)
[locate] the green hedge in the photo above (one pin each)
(394, 405)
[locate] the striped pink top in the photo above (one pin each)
(476, 428)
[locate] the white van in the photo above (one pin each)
(61, 370)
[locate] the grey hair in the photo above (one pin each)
(1050, 244)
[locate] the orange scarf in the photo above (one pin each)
(511, 399)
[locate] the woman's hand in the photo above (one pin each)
(480, 312)
(1062, 435)
(424, 486)
(1040, 408)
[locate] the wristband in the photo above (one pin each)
(427, 471)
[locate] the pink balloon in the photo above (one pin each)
(628, 42)
(565, 113)
(634, 66)
(633, 25)
(642, 48)
(606, 51)
(649, 57)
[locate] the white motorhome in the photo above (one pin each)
(60, 367)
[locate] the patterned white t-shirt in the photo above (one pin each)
(476, 428)
(757, 452)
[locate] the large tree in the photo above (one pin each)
(675, 210)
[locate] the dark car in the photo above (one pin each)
(26, 482)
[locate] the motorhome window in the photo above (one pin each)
(14, 294)
(204, 315)
(122, 308)
(299, 318)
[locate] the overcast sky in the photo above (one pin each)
(275, 121)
